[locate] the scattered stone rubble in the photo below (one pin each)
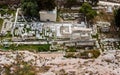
(108, 63)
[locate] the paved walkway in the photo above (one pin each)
(16, 17)
(34, 42)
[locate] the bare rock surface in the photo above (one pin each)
(107, 63)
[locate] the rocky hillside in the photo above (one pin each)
(29, 63)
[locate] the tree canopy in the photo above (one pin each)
(29, 7)
(87, 10)
(117, 17)
(46, 4)
(70, 3)
(32, 7)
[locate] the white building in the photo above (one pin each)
(81, 33)
(48, 15)
(70, 31)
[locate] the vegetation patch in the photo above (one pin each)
(41, 47)
(1, 22)
(84, 55)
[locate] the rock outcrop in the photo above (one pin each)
(107, 63)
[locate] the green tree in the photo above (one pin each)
(32, 7)
(117, 17)
(29, 7)
(88, 12)
(46, 4)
